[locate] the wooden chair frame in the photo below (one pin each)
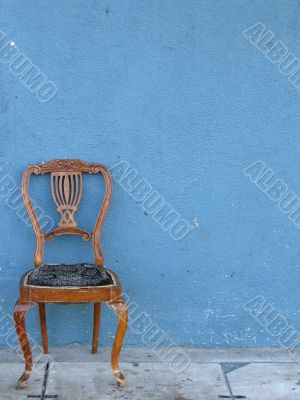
(66, 188)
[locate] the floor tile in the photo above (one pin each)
(268, 381)
(145, 381)
(9, 375)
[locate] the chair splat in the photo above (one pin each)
(66, 189)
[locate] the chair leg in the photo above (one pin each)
(43, 324)
(97, 310)
(121, 310)
(19, 317)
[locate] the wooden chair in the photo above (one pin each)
(77, 283)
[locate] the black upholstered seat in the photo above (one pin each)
(75, 275)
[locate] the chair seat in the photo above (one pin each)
(72, 275)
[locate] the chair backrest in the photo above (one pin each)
(66, 190)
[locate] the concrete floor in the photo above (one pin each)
(252, 374)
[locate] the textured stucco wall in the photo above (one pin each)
(174, 89)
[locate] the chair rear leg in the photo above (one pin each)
(96, 328)
(43, 324)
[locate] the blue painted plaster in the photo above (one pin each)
(176, 90)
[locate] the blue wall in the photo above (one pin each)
(175, 90)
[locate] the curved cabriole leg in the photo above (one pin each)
(121, 310)
(19, 317)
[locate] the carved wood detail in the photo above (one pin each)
(66, 189)
(65, 231)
